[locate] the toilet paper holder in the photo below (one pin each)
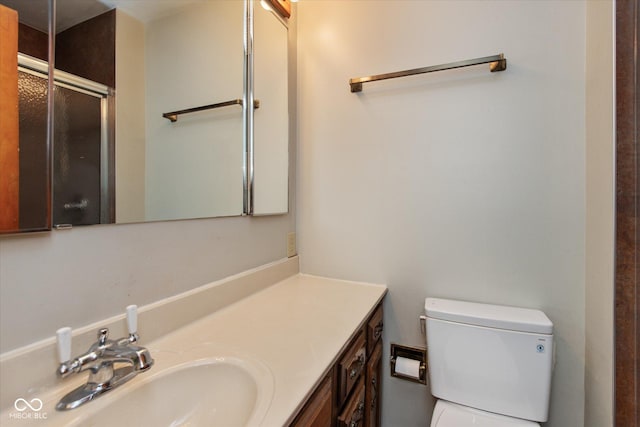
(414, 353)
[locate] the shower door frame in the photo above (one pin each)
(39, 68)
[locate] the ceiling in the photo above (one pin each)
(34, 13)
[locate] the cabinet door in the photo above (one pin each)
(374, 380)
(317, 410)
(353, 413)
(9, 129)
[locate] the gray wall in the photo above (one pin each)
(599, 292)
(462, 184)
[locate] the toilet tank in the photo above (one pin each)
(490, 357)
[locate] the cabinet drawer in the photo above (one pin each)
(351, 367)
(353, 413)
(374, 328)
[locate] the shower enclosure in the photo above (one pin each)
(33, 193)
(82, 143)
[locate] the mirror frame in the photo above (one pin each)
(248, 99)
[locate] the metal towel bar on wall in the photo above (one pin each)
(173, 116)
(496, 63)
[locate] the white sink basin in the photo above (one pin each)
(210, 392)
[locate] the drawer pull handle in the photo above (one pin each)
(374, 392)
(356, 419)
(359, 362)
(377, 331)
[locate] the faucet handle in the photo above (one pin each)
(132, 320)
(63, 336)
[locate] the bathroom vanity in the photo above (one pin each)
(349, 395)
(316, 335)
(297, 350)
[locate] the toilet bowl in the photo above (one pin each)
(447, 414)
(488, 365)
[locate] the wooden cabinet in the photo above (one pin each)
(350, 367)
(374, 368)
(9, 122)
(374, 329)
(317, 410)
(373, 380)
(350, 394)
(353, 414)
(283, 7)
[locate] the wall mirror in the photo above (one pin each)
(127, 162)
(271, 134)
(125, 69)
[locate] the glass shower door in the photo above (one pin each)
(81, 148)
(34, 194)
(77, 157)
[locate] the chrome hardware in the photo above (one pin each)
(99, 360)
(102, 336)
(81, 205)
(423, 325)
(415, 353)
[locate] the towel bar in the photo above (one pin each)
(497, 63)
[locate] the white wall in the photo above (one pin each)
(461, 184)
(195, 166)
(599, 286)
(76, 277)
(130, 119)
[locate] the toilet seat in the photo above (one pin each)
(447, 414)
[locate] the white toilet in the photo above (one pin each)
(489, 365)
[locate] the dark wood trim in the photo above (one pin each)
(9, 128)
(627, 313)
(283, 7)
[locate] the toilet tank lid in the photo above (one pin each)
(489, 315)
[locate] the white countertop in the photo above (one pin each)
(296, 328)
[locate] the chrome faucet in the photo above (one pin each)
(110, 363)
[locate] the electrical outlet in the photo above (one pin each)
(291, 244)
